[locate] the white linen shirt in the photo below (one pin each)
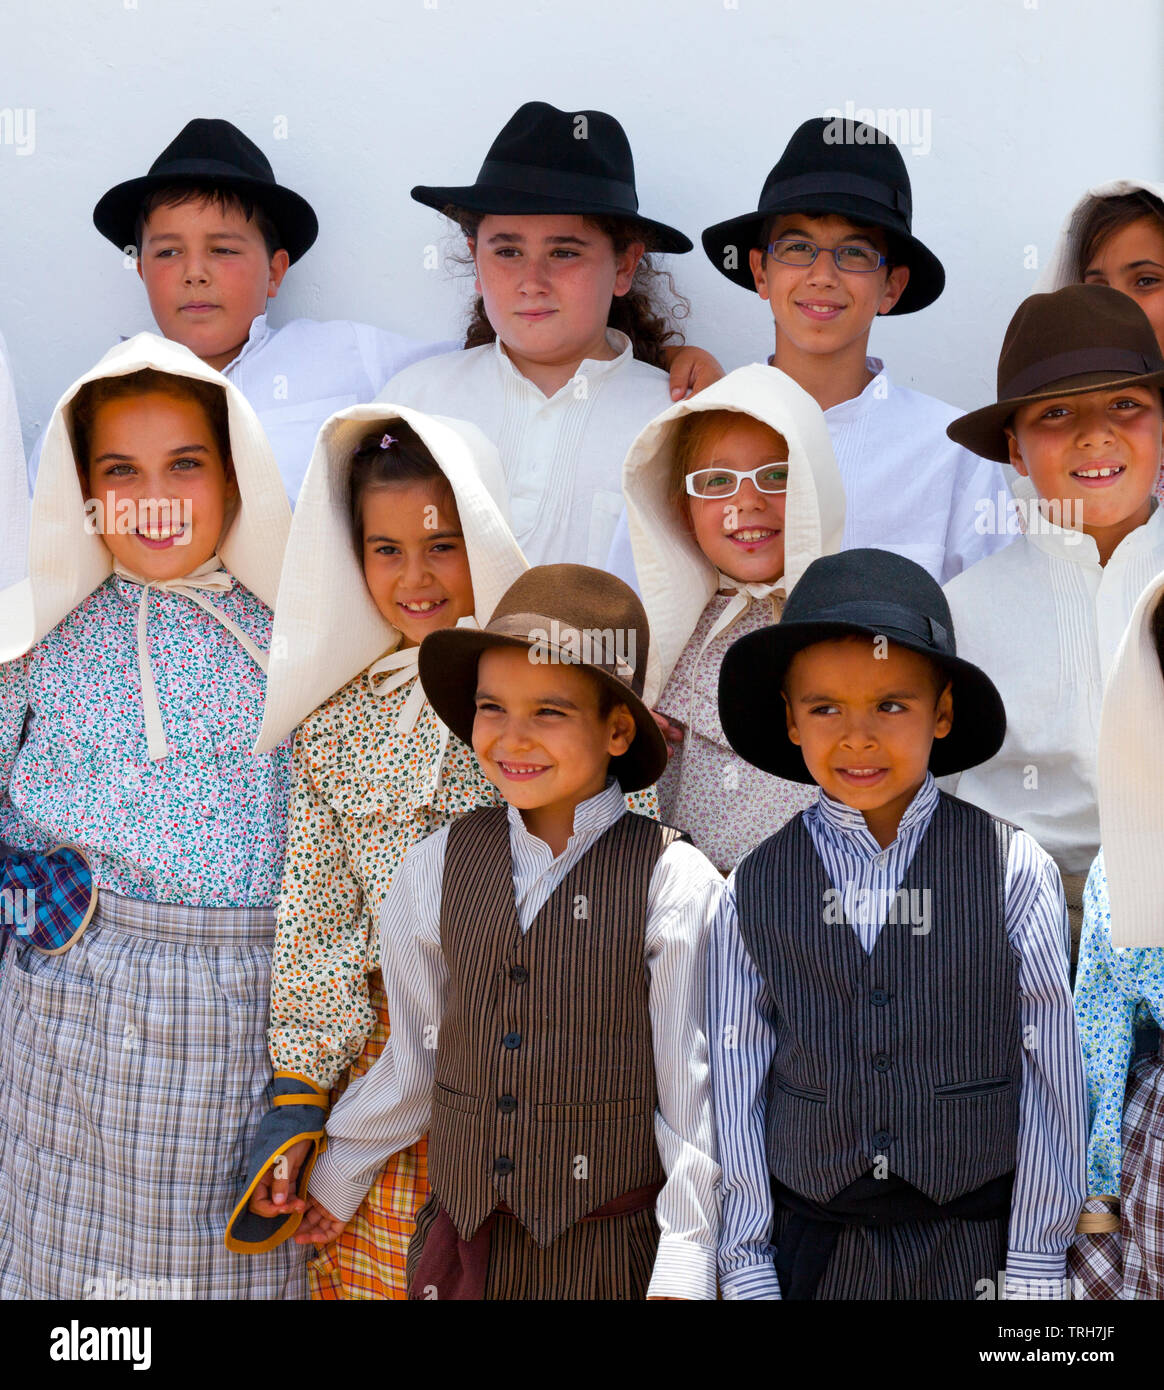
(298, 375)
(562, 454)
(1043, 619)
(13, 494)
(389, 1108)
(908, 487)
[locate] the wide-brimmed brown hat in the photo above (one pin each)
(1080, 338)
(566, 615)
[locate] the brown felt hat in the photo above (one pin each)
(1080, 338)
(565, 615)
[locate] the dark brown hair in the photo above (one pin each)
(1108, 215)
(376, 464)
(204, 194)
(147, 382)
(647, 313)
(1158, 632)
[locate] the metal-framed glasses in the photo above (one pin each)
(725, 482)
(851, 256)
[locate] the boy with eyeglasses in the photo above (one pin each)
(830, 248)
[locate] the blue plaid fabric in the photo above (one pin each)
(45, 899)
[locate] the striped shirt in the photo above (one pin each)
(389, 1108)
(1049, 1186)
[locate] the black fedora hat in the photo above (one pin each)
(1077, 339)
(551, 161)
(210, 152)
(873, 592)
(834, 165)
(568, 615)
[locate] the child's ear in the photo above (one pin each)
(621, 729)
(944, 715)
(277, 269)
(895, 285)
(1015, 452)
(625, 266)
(789, 720)
(758, 264)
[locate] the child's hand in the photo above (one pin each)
(673, 733)
(692, 369)
(274, 1193)
(318, 1226)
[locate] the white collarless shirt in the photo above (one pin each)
(562, 454)
(1043, 619)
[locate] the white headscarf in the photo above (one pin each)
(1062, 266)
(67, 558)
(676, 579)
(327, 626)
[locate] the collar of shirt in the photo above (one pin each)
(260, 332)
(589, 367)
(846, 825)
(1067, 544)
(878, 389)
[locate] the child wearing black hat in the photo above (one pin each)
(1079, 415)
(561, 367)
(831, 247)
(543, 964)
(897, 1076)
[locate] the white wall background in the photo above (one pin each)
(1029, 102)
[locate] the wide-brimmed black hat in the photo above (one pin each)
(1077, 339)
(218, 153)
(551, 161)
(568, 615)
(833, 165)
(873, 592)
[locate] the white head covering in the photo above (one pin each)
(67, 559)
(1061, 267)
(327, 627)
(676, 579)
(1131, 780)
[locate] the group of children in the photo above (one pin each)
(385, 918)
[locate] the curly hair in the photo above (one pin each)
(647, 313)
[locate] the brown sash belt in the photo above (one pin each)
(457, 1269)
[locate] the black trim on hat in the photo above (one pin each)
(1042, 376)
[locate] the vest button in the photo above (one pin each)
(512, 1040)
(519, 974)
(881, 1062)
(879, 996)
(506, 1104)
(882, 1139)
(503, 1166)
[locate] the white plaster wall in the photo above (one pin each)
(1028, 102)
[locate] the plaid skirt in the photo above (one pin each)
(133, 1075)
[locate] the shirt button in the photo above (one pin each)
(881, 1062)
(506, 1104)
(512, 1040)
(503, 1166)
(879, 996)
(519, 974)
(882, 1139)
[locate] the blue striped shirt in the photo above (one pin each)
(1050, 1167)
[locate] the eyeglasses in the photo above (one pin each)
(795, 251)
(725, 482)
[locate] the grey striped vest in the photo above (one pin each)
(544, 1094)
(912, 1053)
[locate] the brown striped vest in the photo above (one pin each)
(912, 1053)
(544, 1094)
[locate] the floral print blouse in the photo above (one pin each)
(1116, 988)
(204, 826)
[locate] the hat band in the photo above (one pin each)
(527, 178)
(207, 168)
(885, 618)
(563, 644)
(1044, 374)
(804, 185)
